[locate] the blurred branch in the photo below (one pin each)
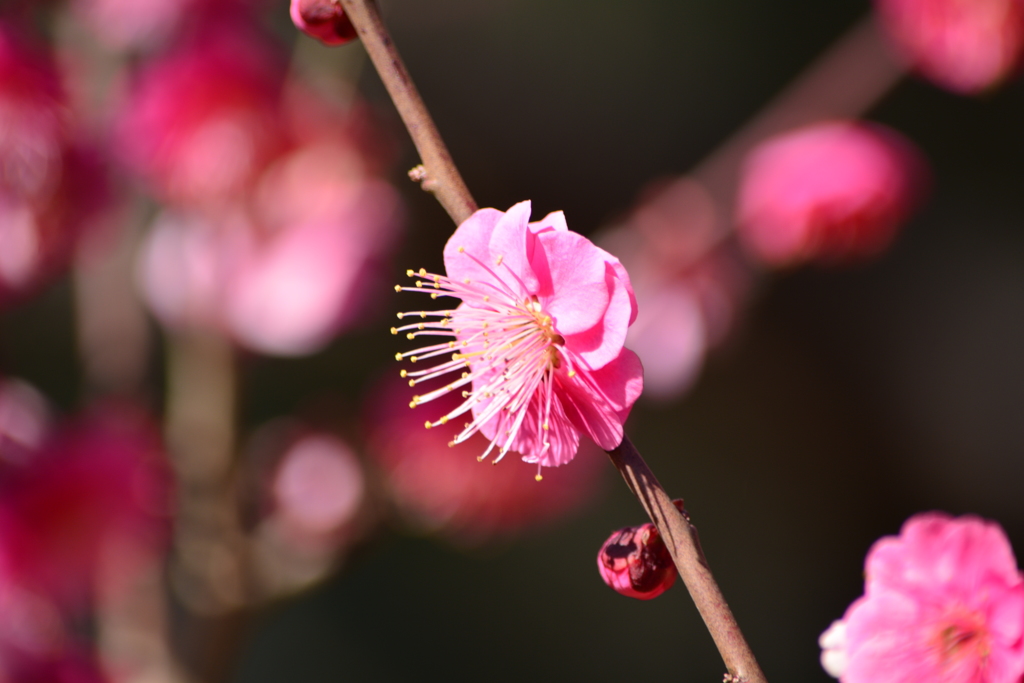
(438, 175)
(844, 82)
(848, 79)
(113, 332)
(208, 571)
(681, 538)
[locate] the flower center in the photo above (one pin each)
(964, 635)
(505, 346)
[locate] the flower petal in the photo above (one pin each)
(473, 237)
(553, 221)
(602, 343)
(511, 247)
(573, 289)
(598, 402)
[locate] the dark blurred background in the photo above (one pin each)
(847, 400)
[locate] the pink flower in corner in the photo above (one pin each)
(943, 602)
(830, 191)
(963, 45)
(538, 337)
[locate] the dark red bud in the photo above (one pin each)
(635, 562)
(325, 20)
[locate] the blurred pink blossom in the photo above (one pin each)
(827, 192)
(299, 259)
(98, 483)
(445, 489)
(318, 488)
(282, 290)
(963, 45)
(943, 601)
(690, 287)
(48, 185)
(124, 24)
(325, 20)
(202, 122)
(24, 420)
(635, 562)
(562, 303)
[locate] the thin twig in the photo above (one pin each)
(681, 538)
(439, 174)
(452, 193)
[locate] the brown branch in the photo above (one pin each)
(681, 538)
(438, 174)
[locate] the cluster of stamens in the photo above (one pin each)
(504, 348)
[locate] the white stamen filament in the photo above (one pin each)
(505, 346)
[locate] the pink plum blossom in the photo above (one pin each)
(963, 45)
(635, 562)
(829, 192)
(538, 336)
(201, 122)
(325, 20)
(444, 489)
(943, 601)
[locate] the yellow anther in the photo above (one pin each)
(546, 426)
(427, 424)
(423, 272)
(412, 404)
(423, 314)
(403, 373)
(500, 259)
(451, 345)
(433, 295)
(412, 359)
(465, 394)
(398, 356)
(465, 375)
(444, 420)
(539, 478)
(466, 281)
(462, 249)
(412, 383)
(451, 444)
(479, 458)
(487, 297)
(409, 273)
(394, 330)
(410, 335)
(419, 283)
(400, 315)
(398, 288)
(572, 373)
(422, 326)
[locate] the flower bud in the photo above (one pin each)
(830, 192)
(635, 562)
(325, 20)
